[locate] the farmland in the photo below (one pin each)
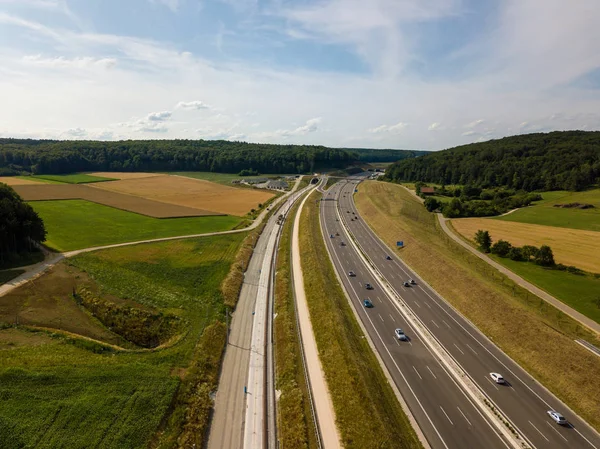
(221, 178)
(53, 385)
(544, 212)
(20, 181)
(570, 246)
(70, 227)
(78, 178)
(193, 193)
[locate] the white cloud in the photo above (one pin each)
(192, 105)
(474, 123)
(468, 133)
(159, 116)
(434, 126)
(310, 126)
(79, 63)
(397, 128)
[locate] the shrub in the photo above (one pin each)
(501, 248)
(484, 240)
(545, 257)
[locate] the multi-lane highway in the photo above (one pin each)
(447, 415)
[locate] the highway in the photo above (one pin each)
(445, 413)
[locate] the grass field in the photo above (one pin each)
(221, 178)
(295, 425)
(78, 178)
(570, 246)
(543, 212)
(76, 224)
(368, 414)
(539, 337)
(65, 392)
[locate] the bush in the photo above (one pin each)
(484, 240)
(501, 248)
(431, 204)
(545, 257)
(516, 254)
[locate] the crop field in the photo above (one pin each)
(536, 335)
(19, 181)
(221, 178)
(544, 213)
(70, 225)
(124, 175)
(113, 199)
(192, 193)
(570, 246)
(78, 178)
(60, 390)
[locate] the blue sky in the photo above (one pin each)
(420, 74)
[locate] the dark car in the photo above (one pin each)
(368, 286)
(351, 274)
(342, 244)
(388, 258)
(406, 284)
(367, 303)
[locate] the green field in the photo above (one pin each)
(77, 178)
(75, 224)
(222, 178)
(60, 392)
(543, 212)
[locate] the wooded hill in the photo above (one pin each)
(18, 156)
(567, 160)
(371, 155)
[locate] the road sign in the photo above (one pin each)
(400, 244)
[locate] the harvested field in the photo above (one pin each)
(123, 175)
(570, 246)
(16, 181)
(128, 203)
(191, 193)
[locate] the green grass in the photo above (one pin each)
(577, 291)
(543, 212)
(8, 275)
(61, 393)
(222, 178)
(42, 180)
(77, 178)
(367, 411)
(75, 224)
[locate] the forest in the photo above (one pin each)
(562, 160)
(24, 156)
(20, 227)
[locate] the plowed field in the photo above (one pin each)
(191, 193)
(13, 181)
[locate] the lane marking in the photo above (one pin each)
(581, 435)
(475, 352)
(446, 324)
(436, 324)
(417, 303)
(427, 304)
(380, 317)
(459, 349)
(461, 412)
(417, 372)
(559, 434)
(434, 376)
(392, 318)
(544, 436)
(446, 415)
(493, 383)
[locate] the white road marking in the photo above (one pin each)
(464, 416)
(392, 318)
(417, 372)
(446, 324)
(380, 317)
(552, 427)
(392, 275)
(435, 324)
(459, 349)
(427, 304)
(580, 434)
(434, 376)
(418, 305)
(475, 352)
(544, 436)
(446, 415)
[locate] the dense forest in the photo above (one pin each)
(18, 156)
(20, 227)
(568, 160)
(370, 155)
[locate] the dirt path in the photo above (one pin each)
(322, 398)
(589, 323)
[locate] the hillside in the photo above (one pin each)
(568, 160)
(22, 156)
(371, 155)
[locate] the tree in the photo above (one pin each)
(529, 252)
(545, 257)
(516, 254)
(484, 240)
(501, 248)
(431, 204)
(453, 209)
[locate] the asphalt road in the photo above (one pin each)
(457, 422)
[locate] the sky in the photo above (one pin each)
(413, 74)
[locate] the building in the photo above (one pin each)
(278, 184)
(427, 191)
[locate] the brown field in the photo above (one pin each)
(12, 181)
(128, 203)
(123, 175)
(191, 193)
(570, 246)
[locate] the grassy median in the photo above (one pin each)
(535, 334)
(295, 426)
(368, 413)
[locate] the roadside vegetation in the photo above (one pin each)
(536, 335)
(368, 413)
(68, 224)
(8, 275)
(76, 178)
(56, 381)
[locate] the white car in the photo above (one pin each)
(497, 378)
(400, 335)
(557, 417)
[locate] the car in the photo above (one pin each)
(353, 213)
(331, 236)
(352, 219)
(368, 286)
(400, 335)
(412, 282)
(337, 219)
(406, 284)
(347, 211)
(557, 417)
(337, 233)
(388, 258)
(367, 303)
(497, 378)
(342, 244)
(351, 274)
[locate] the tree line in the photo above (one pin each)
(22, 156)
(568, 160)
(20, 226)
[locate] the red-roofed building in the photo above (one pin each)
(427, 190)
